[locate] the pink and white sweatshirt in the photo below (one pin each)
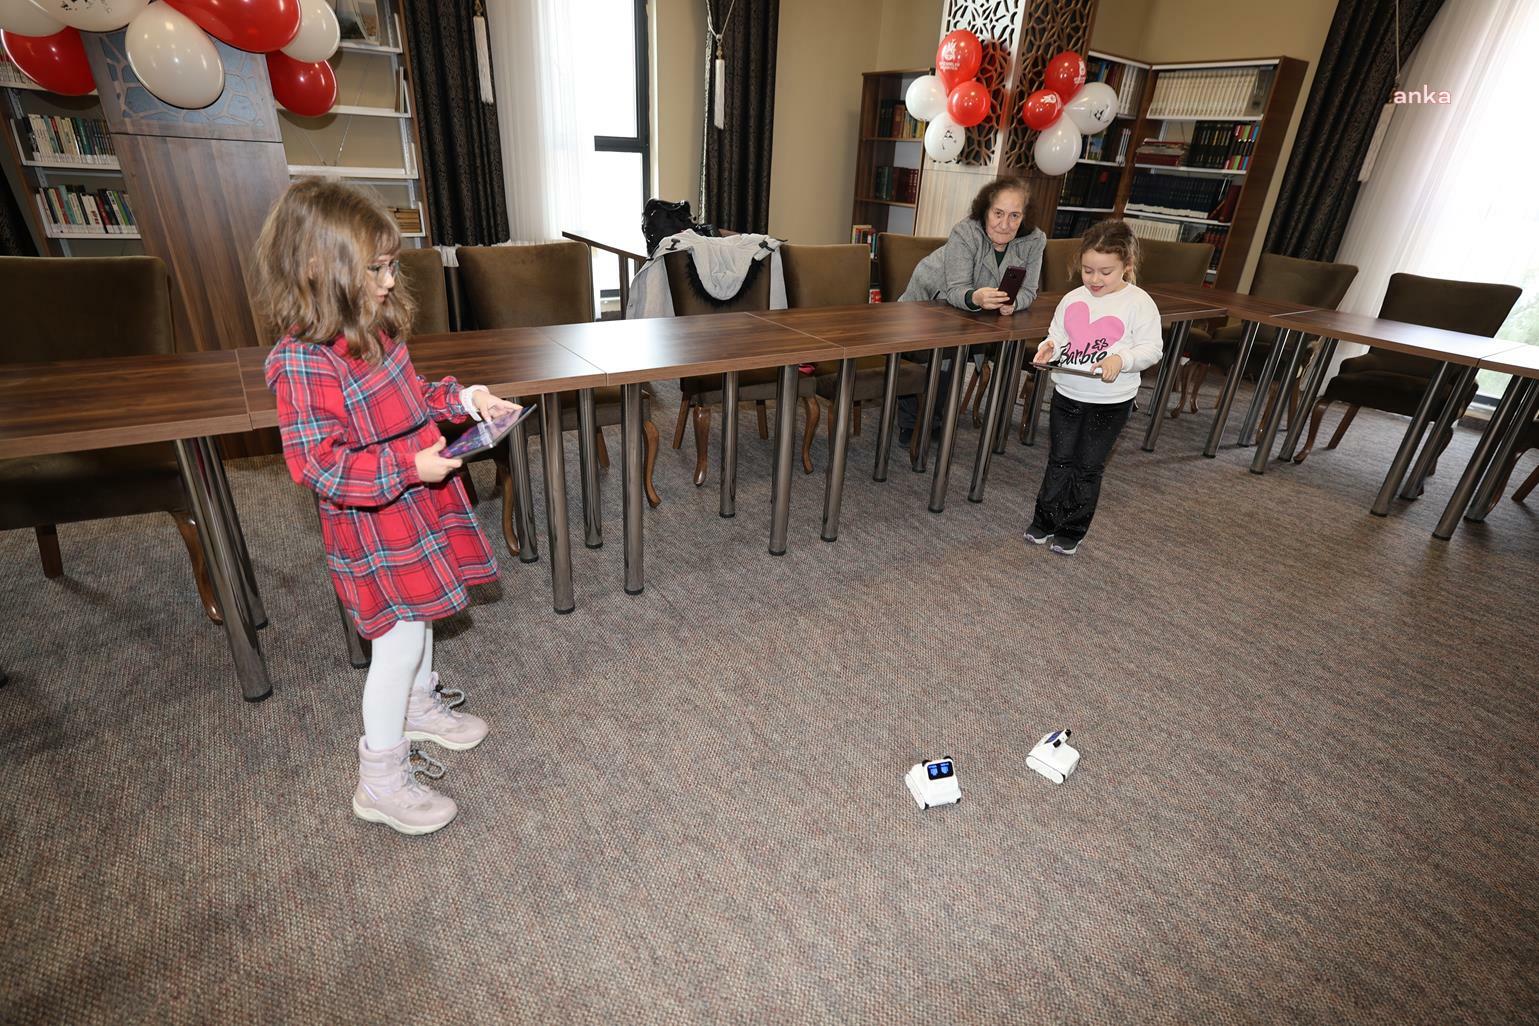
(1087, 328)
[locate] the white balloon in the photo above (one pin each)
(26, 18)
(96, 15)
(1092, 108)
(173, 58)
(926, 98)
(1057, 148)
(318, 33)
(944, 139)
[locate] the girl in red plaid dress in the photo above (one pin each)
(358, 427)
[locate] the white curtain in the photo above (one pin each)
(1452, 193)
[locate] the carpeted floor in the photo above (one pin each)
(1309, 790)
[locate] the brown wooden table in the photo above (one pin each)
(1512, 413)
(187, 399)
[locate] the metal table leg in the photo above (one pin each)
(1167, 380)
(1408, 444)
(927, 411)
(358, 650)
(224, 571)
(1033, 410)
(1310, 393)
(785, 431)
(1476, 511)
(1269, 433)
(1263, 385)
(1165, 372)
(1417, 478)
(587, 459)
(634, 503)
(1501, 421)
(523, 495)
(1007, 407)
(889, 410)
(220, 490)
(833, 492)
(553, 451)
(729, 444)
(948, 435)
(998, 388)
(1231, 387)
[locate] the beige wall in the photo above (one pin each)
(909, 35)
(676, 33)
(1120, 27)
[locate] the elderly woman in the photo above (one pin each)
(995, 236)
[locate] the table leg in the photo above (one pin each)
(1033, 409)
(1408, 444)
(889, 410)
(833, 492)
(1273, 422)
(1496, 428)
(785, 434)
(729, 444)
(1263, 384)
(224, 571)
(552, 449)
(948, 434)
(358, 650)
(625, 283)
(999, 387)
(220, 490)
(1476, 511)
(1164, 371)
(1231, 387)
(1313, 382)
(927, 411)
(1415, 481)
(587, 459)
(633, 501)
(1007, 407)
(523, 495)
(1166, 381)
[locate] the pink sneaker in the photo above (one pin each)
(430, 717)
(390, 793)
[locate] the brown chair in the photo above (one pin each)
(897, 256)
(1528, 438)
(1060, 270)
(1183, 263)
(702, 391)
(841, 276)
(422, 271)
(1314, 283)
(1396, 382)
(47, 319)
(539, 284)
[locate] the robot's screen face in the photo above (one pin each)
(939, 770)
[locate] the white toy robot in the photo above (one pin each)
(1053, 758)
(933, 782)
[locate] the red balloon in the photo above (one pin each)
(260, 26)
(1065, 74)
(968, 104)
(1041, 109)
(57, 62)
(958, 58)
(308, 90)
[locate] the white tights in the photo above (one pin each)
(402, 658)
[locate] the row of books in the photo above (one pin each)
(893, 121)
(76, 210)
(898, 184)
(1112, 144)
(1164, 231)
(1214, 93)
(1215, 237)
(1090, 185)
(408, 220)
(59, 139)
(1164, 152)
(1071, 224)
(864, 233)
(1223, 144)
(1126, 79)
(1184, 195)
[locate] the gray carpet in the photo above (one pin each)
(1309, 790)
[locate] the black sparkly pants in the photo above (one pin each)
(1082, 435)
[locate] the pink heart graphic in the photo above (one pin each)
(1084, 333)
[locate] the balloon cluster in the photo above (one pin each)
(169, 50)
(952, 99)
(1089, 106)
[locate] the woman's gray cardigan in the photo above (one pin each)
(966, 262)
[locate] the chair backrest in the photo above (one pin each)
(527, 286)
(1173, 262)
(76, 308)
(1060, 265)
(1473, 307)
(896, 258)
(826, 275)
(1311, 282)
(686, 300)
(423, 272)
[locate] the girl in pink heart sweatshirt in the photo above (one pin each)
(1110, 327)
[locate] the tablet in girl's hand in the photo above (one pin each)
(485, 435)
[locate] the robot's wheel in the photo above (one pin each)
(926, 805)
(957, 802)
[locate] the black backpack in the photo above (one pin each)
(660, 219)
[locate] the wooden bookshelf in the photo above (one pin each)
(878, 147)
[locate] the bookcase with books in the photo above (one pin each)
(1090, 188)
(888, 159)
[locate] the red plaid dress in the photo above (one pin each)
(398, 549)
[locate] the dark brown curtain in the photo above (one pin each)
(461, 152)
(15, 240)
(1354, 80)
(737, 157)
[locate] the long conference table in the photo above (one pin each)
(190, 399)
